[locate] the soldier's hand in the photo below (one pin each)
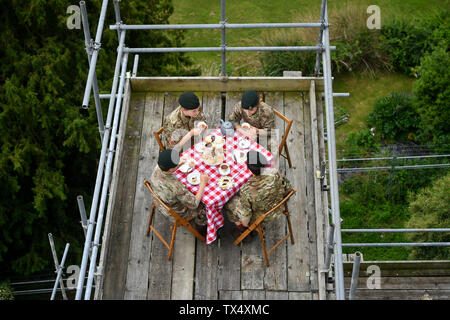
(204, 178)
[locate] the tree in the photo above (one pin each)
(48, 151)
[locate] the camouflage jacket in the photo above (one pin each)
(263, 118)
(176, 126)
(262, 193)
(173, 193)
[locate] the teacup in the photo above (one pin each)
(224, 167)
(245, 126)
(202, 125)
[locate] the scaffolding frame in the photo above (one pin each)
(108, 133)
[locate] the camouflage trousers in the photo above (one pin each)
(233, 207)
(198, 213)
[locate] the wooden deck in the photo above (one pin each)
(136, 266)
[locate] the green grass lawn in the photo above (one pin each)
(363, 93)
(248, 11)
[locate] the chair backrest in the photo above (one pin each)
(263, 216)
(286, 132)
(158, 138)
(170, 210)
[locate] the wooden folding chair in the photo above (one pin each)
(158, 138)
(179, 221)
(283, 144)
(257, 226)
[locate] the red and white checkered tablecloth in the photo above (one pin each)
(214, 197)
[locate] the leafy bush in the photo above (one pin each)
(430, 209)
(395, 117)
(360, 144)
(407, 42)
(5, 292)
(432, 92)
(275, 62)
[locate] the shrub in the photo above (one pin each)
(407, 42)
(275, 62)
(430, 209)
(5, 292)
(395, 117)
(432, 92)
(360, 144)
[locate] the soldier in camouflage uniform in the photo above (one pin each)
(263, 191)
(253, 110)
(174, 194)
(179, 125)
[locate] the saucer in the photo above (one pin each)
(194, 178)
(244, 143)
(225, 183)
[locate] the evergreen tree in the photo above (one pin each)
(49, 153)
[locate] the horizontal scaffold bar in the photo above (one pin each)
(221, 49)
(399, 244)
(396, 230)
(215, 26)
(224, 84)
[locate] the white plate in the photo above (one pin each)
(200, 146)
(225, 183)
(194, 178)
(244, 143)
(185, 168)
(237, 156)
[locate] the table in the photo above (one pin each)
(214, 197)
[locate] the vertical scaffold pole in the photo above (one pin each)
(355, 275)
(112, 143)
(319, 41)
(334, 192)
(89, 43)
(96, 47)
(223, 38)
(101, 166)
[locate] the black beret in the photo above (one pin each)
(189, 100)
(256, 159)
(249, 99)
(168, 159)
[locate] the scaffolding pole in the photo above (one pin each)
(94, 57)
(105, 188)
(101, 166)
(89, 47)
(334, 192)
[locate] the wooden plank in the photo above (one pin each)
(296, 295)
(230, 295)
(206, 271)
(160, 270)
(310, 204)
(403, 283)
(320, 242)
(401, 294)
(253, 294)
(219, 84)
(120, 233)
(206, 263)
(298, 254)
(229, 277)
(183, 264)
(277, 295)
(275, 277)
(139, 252)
